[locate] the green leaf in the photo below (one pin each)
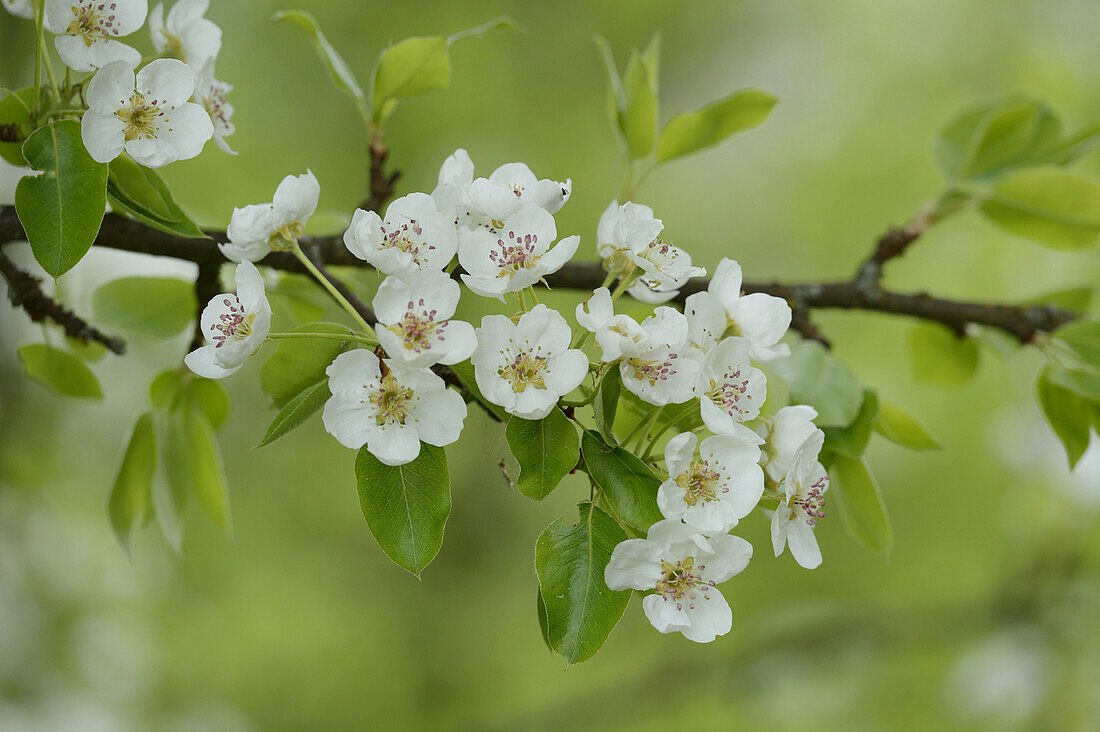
(825, 383)
(91, 351)
(688, 132)
(62, 208)
(1068, 149)
(297, 410)
(465, 373)
(211, 398)
(938, 356)
(141, 194)
(639, 118)
(1068, 414)
(628, 483)
(131, 501)
(14, 111)
(208, 481)
(499, 22)
(1083, 336)
(570, 558)
(338, 71)
(299, 363)
(406, 506)
(616, 97)
(166, 389)
(156, 307)
(896, 424)
(996, 136)
(543, 623)
(172, 489)
(1074, 299)
(606, 404)
(1085, 384)
(408, 68)
(62, 372)
(852, 440)
(1050, 206)
(547, 449)
(861, 507)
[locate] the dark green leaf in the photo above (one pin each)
(688, 132)
(570, 558)
(141, 194)
(1050, 206)
(297, 411)
(606, 404)
(300, 362)
(900, 427)
(547, 449)
(62, 372)
(406, 506)
(628, 484)
(938, 356)
(157, 307)
(852, 440)
(541, 609)
(338, 72)
(62, 208)
(131, 499)
(861, 507)
(825, 383)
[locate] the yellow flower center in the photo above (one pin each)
(139, 117)
(525, 370)
(698, 482)
(391, 401)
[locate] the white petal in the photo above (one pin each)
(803, 545)
(552, 195)
(493, 199)
(346, 420)
(679, 451)
(731, 556)
(201, 361)
(664, 615)
(168, 80)
(440, 416)
(186, 12)
(353, 371)
(634, 564)
(566, 371)
(394, 444)
(761, 318)
(296, 199)
(726, 283)
(189, 129)
(152, 153)
(710, 616)
(250, 287)
(460, 343)
(103, 135)
(111, 87)
(556, 258)
(364, 234)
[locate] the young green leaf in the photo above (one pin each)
(211, 398)
(15, 110)
(338, 71)
(1083, 336)
(1069, 415)
(938, 356)
(996, 136)
(307, 403)
(628, 484)
(861, 507)
(406, 506)
(62, 372)
(688, 132)
(1083, 383)
(852, 440)
(172, 487)
(1074, 299)
(606, 403)
(156, 307)
(141, 194)
(300, 363)
(639, 119)
(131, 499)
(825, 383)
(501, 22)
(902, 428)
(208, 483)
(547, 449)
(166, 389)
(91, 351)
(62, 208)
(1050, 206)
(570, 558)
(616, 97)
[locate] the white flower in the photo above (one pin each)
(185, 35)
(87, 31)
(514, 255)
(683, 568)
(784, 433)
(210, 93)
(19, 8)
(512, 186)
(760, 317)
(413, 324)
(801, 504)
(414, 236)
(391, 412)
(706, 320)
(660, 369)
(666, 268)
(148, 116)
(625, 229)
(234, 326)
(451, 191)
(629, 235)
(712, 492)
(730, 389)
(257, 229)
(527, 366)
(597, 315)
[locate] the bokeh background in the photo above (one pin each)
(984, 616)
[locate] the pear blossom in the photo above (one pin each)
(210, 93)
(661, 368)
(683, 568)
(514, 255)
(19, 8)
(710, 493)
(234, 326)
(730, 389)
(665, 269)
(146, 115)
(526, 366)
(784, 433)
(414, 236)
(706, 323)
(88, 31)
(452, 186)
(512, 186)
(257, 229)
(625, 232)
(597, 315)
(801, 504)
(185, 34)
(413, 320)
(390, 410)
(760, 317)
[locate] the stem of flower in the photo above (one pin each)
(643, 426)
(676, 418)
(325, 336)
(626, 281)
(331, 290)
(39, 12)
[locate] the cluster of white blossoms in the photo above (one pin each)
(158, 113)
(502, 232)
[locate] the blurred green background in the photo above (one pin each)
(983, 617)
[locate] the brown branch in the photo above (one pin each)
(207, 287)
(24, 292)
(381, 183)
(1023, 322)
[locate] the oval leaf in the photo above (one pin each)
(408, 68)
(825, 383)
(157, 307)
(208, 481)
(606, 404)
(896, 424)
(62, 372)
(299, 363)
(1047, 205)
(406, 506)
(688, 132)
(547, 449)
(1068, 414)
(141, 194)
(1083, 337)
(628, 483)
(639, 119)
(995, 136)
(131, 501)
(852, 440)
(297, 411)
(938, 356)
(570, 558)
(861, 507)
(62, 208)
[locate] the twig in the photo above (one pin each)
(381, 182)
(207, 286)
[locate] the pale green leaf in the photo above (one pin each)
(307, 403)
(938, 356)
(852, 440)
(996, 136)
(639, 118)
(827, 384)
(299, 363)
(1083, 336)
(208, 483)
(157, 307)
(338, 71)
(131, 501)
(688, 132)
(1067, 413)
(502, 22)
(1050, 206)
(62, 372)
(408, 68)
(861, 506)
(896, 424)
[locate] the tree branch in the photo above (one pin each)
(1023, 322)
